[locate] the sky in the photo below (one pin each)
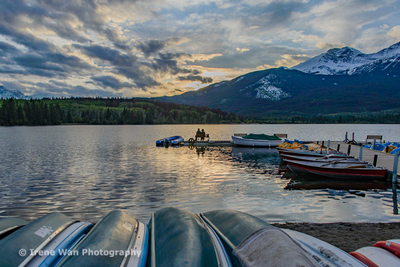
(149, 48)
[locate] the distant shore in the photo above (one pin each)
(348, 236)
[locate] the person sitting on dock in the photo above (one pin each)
(198, 133)
(203, 134)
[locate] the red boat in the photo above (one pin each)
(337, 170)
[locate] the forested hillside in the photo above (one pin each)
(106, 111)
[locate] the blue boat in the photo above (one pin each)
(173, 141)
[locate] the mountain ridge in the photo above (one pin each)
(357, 82)
(347, 60)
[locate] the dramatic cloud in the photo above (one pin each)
(192, 77)
(157, 47)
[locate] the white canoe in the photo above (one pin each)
(240, 141)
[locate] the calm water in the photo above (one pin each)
(86, 171)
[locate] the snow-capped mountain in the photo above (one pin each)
(350, 61)
(6, 94)
(325, 84)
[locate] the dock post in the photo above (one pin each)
(348, 150)
(395, 205)
(361, 153)
(395, 165)
(373, 147)
(329, 147)
(338, 147)
(345, 138)
(375, 160)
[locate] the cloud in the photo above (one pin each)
(151, 46)
(290, 60)
(192, 77)
(134, 47)
(395, 32)
(241, 50)
(111, 82)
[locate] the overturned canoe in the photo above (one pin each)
(116, 240)
(375, 257)
(8, 225)
(251, 241)
(59, 247)
(15, 249)
(180, 238)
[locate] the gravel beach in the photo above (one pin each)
(348, 236)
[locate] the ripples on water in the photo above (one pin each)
(86, 171)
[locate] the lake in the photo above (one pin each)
(86, 171)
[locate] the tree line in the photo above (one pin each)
(107, 111)
(143, 111)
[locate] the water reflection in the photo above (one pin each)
(316, 182)
(86, 171)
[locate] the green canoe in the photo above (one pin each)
(179, 238)
(9, 225)
(15, 249)
(116, 240)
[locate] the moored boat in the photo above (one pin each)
(308, 153)
(326, 159)
(337, 170)
(257, 140)
(172, 140)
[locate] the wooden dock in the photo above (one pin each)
(384, 160)
(210, 143)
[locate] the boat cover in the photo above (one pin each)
(272, 247)
(262, 137)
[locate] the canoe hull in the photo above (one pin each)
(307, 153)
(115, 233)
(303, 168)
(239, 141)
(280, 247)
(178, 239)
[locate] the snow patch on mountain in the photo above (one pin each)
(349, 61)
(6, 94)
(266, 89)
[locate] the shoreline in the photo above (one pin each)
(348, 236)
